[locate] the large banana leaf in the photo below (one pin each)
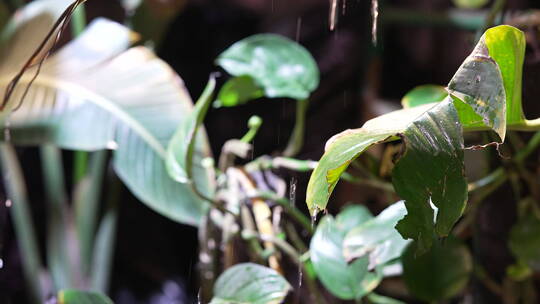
(92, 95)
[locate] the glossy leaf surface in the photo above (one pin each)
(440, 273)
(431, 172)
(344, 280)
(131, 104)
(280, 66)
(250, 283)
(377, 238)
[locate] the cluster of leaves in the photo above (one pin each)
(97, 93)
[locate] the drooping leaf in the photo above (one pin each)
(92, 95)
(378, 299)
(431, 172)
(479, 84)
(377, 238)
(281, 67)
(72, 296)
(345, 281)
(182, 146)
(424, 94)
(440, 273)
(479, 106)
(524, 242)
(237, 91)
(250, 283)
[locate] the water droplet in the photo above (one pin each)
(300, 275)
(8, 203)
(112, 145)
(1, 263)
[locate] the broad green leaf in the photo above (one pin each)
(431, 172)
(72, 296)
(93, 95)
(377, 238)
(237, 91)
(439, 274)
(424, 94)
(250, 283)
(524, 241)
(345, 281)
(280, 66)
(182, 146)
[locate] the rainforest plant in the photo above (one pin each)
(98, 93)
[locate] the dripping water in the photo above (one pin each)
(298, 27)
(7, 129)
(333, 14)
(375, 15)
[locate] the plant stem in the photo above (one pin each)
(78, 23)
(103, 248)
(297, 137)
(22, 220)
(78, 20)
(288, 207)
(86, 202)
(57, 244)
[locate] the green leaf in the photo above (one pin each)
(280, 66)
(470, 4)
(72, 296)
(431, 173)
(478, 105)
(92, 98)
(479, 84)
(439, 274)
(424, 94)
(377, 238)
(250, 283)
(345, 281)
(524, 242)
(238, 90)
(182, 146)
(378, 299)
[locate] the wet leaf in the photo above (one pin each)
(431, 172)
(250, 283)
(524, 241)
(377, 238)
(72, 296)
(345, 281)
(424, 94)
(237, 91)
(479, 84)
(131, 104)
(440, 273)
(281, 67)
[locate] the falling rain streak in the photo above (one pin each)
(333, 14)
(375, 20)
